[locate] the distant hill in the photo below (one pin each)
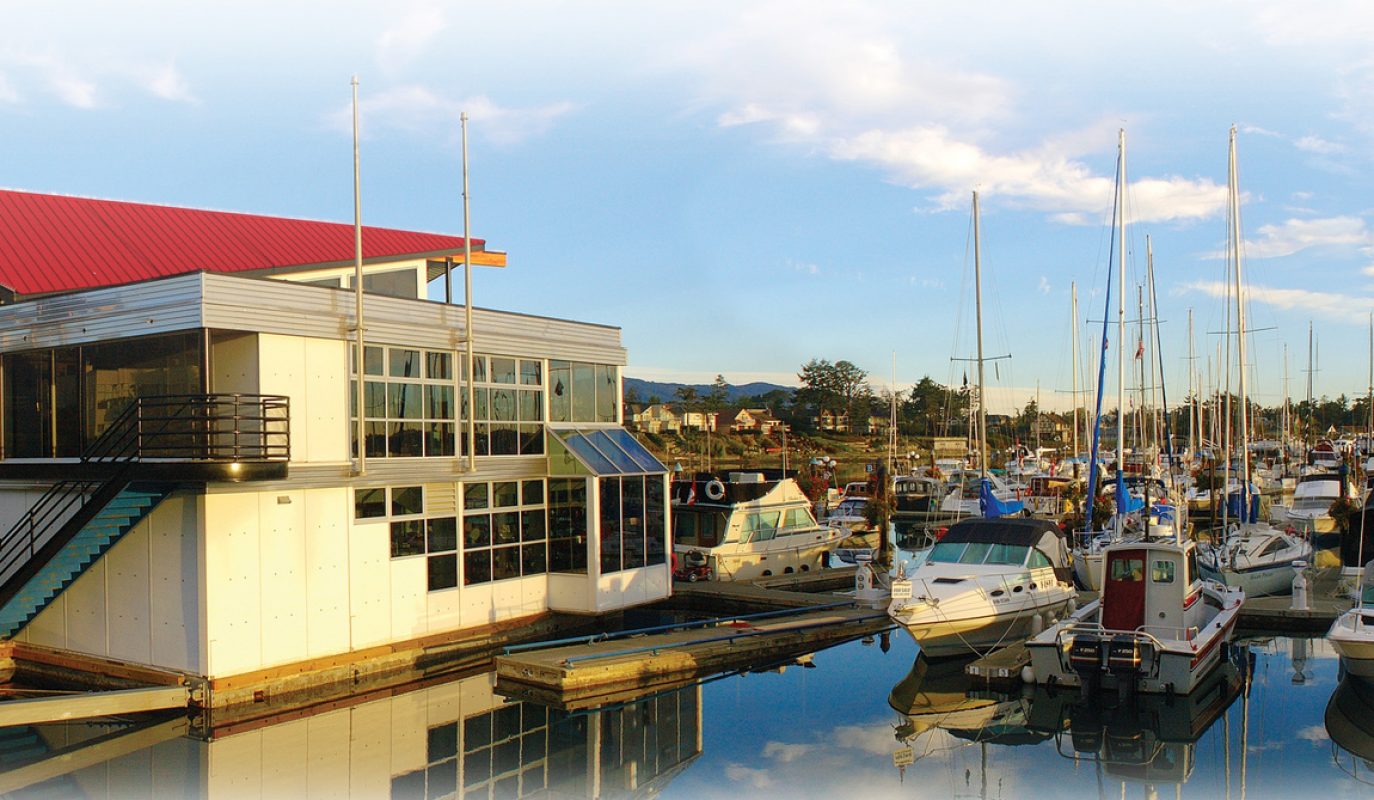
(667, 392)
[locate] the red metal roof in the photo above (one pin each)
(55, 243)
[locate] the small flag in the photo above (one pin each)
(1140, 348)
(692, 495)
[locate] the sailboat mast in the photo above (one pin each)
(1073, 317)
(978, 314)
(1240, 337)
(1192, 391)
(1121, 320)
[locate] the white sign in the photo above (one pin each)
(904, 757)
(901, 590)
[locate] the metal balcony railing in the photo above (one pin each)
(200, 428)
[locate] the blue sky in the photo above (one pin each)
(745, 186)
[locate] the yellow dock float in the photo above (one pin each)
(586, 672)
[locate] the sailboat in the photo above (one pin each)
(990, 579)
(1254, 556)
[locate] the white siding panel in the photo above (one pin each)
(283, 571)
(50, 626)
(369, 577)
(445, 610)
(235, 768)
(234, 364)
(327, 513)
(85, 605)
(174, 533)
(128, 579)
(409, 580)
(233, 584)
(326, 409)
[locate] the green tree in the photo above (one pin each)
(717, 395)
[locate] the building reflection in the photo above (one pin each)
(456, 739)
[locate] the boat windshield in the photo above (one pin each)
(979, 553)
(698, 528)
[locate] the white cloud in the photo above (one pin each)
(804, 267)
(1318, 145)
(169, 84)
(1044, 285)
(1328, 305)
(785, 753)
(756, 778)
(419, 110)
(407, 39)
(1295, 235)
(1313, 733)
(934, 157)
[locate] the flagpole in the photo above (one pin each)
(467, 302)
(360, 466)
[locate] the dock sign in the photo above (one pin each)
(904, 757)
(901, 590)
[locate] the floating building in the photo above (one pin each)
(187, 486)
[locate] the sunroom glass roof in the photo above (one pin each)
(608, 451)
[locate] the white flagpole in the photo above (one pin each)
(467, 302)
(360, 466)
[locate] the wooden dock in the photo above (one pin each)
(1000, 667)
(1326, 600)
(593, 673)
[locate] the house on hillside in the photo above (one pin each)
(831, 421)
(244, 497)
(657, 418)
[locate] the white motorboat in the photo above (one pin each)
(1310, 511)
(986, 583)
(1158, 626)
(1352, 634)
(752, 525)
(1256, 557)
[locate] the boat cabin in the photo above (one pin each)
(1150, 587)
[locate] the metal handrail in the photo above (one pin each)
(215, 428)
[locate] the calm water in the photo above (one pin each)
(825, 731)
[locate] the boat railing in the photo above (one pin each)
(747, 537)
(1181, 634)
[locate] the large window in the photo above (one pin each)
(58, 401)
(568, 525)
(505, 531)
(408, 403)
(581, 392)
(508, 398)
(632, 522)
(412, 533)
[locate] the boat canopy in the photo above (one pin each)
(600, 452)
(1041, 534)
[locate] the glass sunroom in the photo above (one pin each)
(608, 518)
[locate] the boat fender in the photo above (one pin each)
(1027, 674)
(1037, 624)
(715, 490)
(1072, 607)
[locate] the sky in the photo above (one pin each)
(745, 186)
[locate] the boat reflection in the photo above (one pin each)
(1350, 724)
(453, 739)
(1145, 738)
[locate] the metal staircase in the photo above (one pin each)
(123, 477)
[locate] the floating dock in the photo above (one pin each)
(591, 671)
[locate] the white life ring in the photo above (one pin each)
(715, 490)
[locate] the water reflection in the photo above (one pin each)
(1350, 724)
(1145, 738)
(822, 732)
(457, 739)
